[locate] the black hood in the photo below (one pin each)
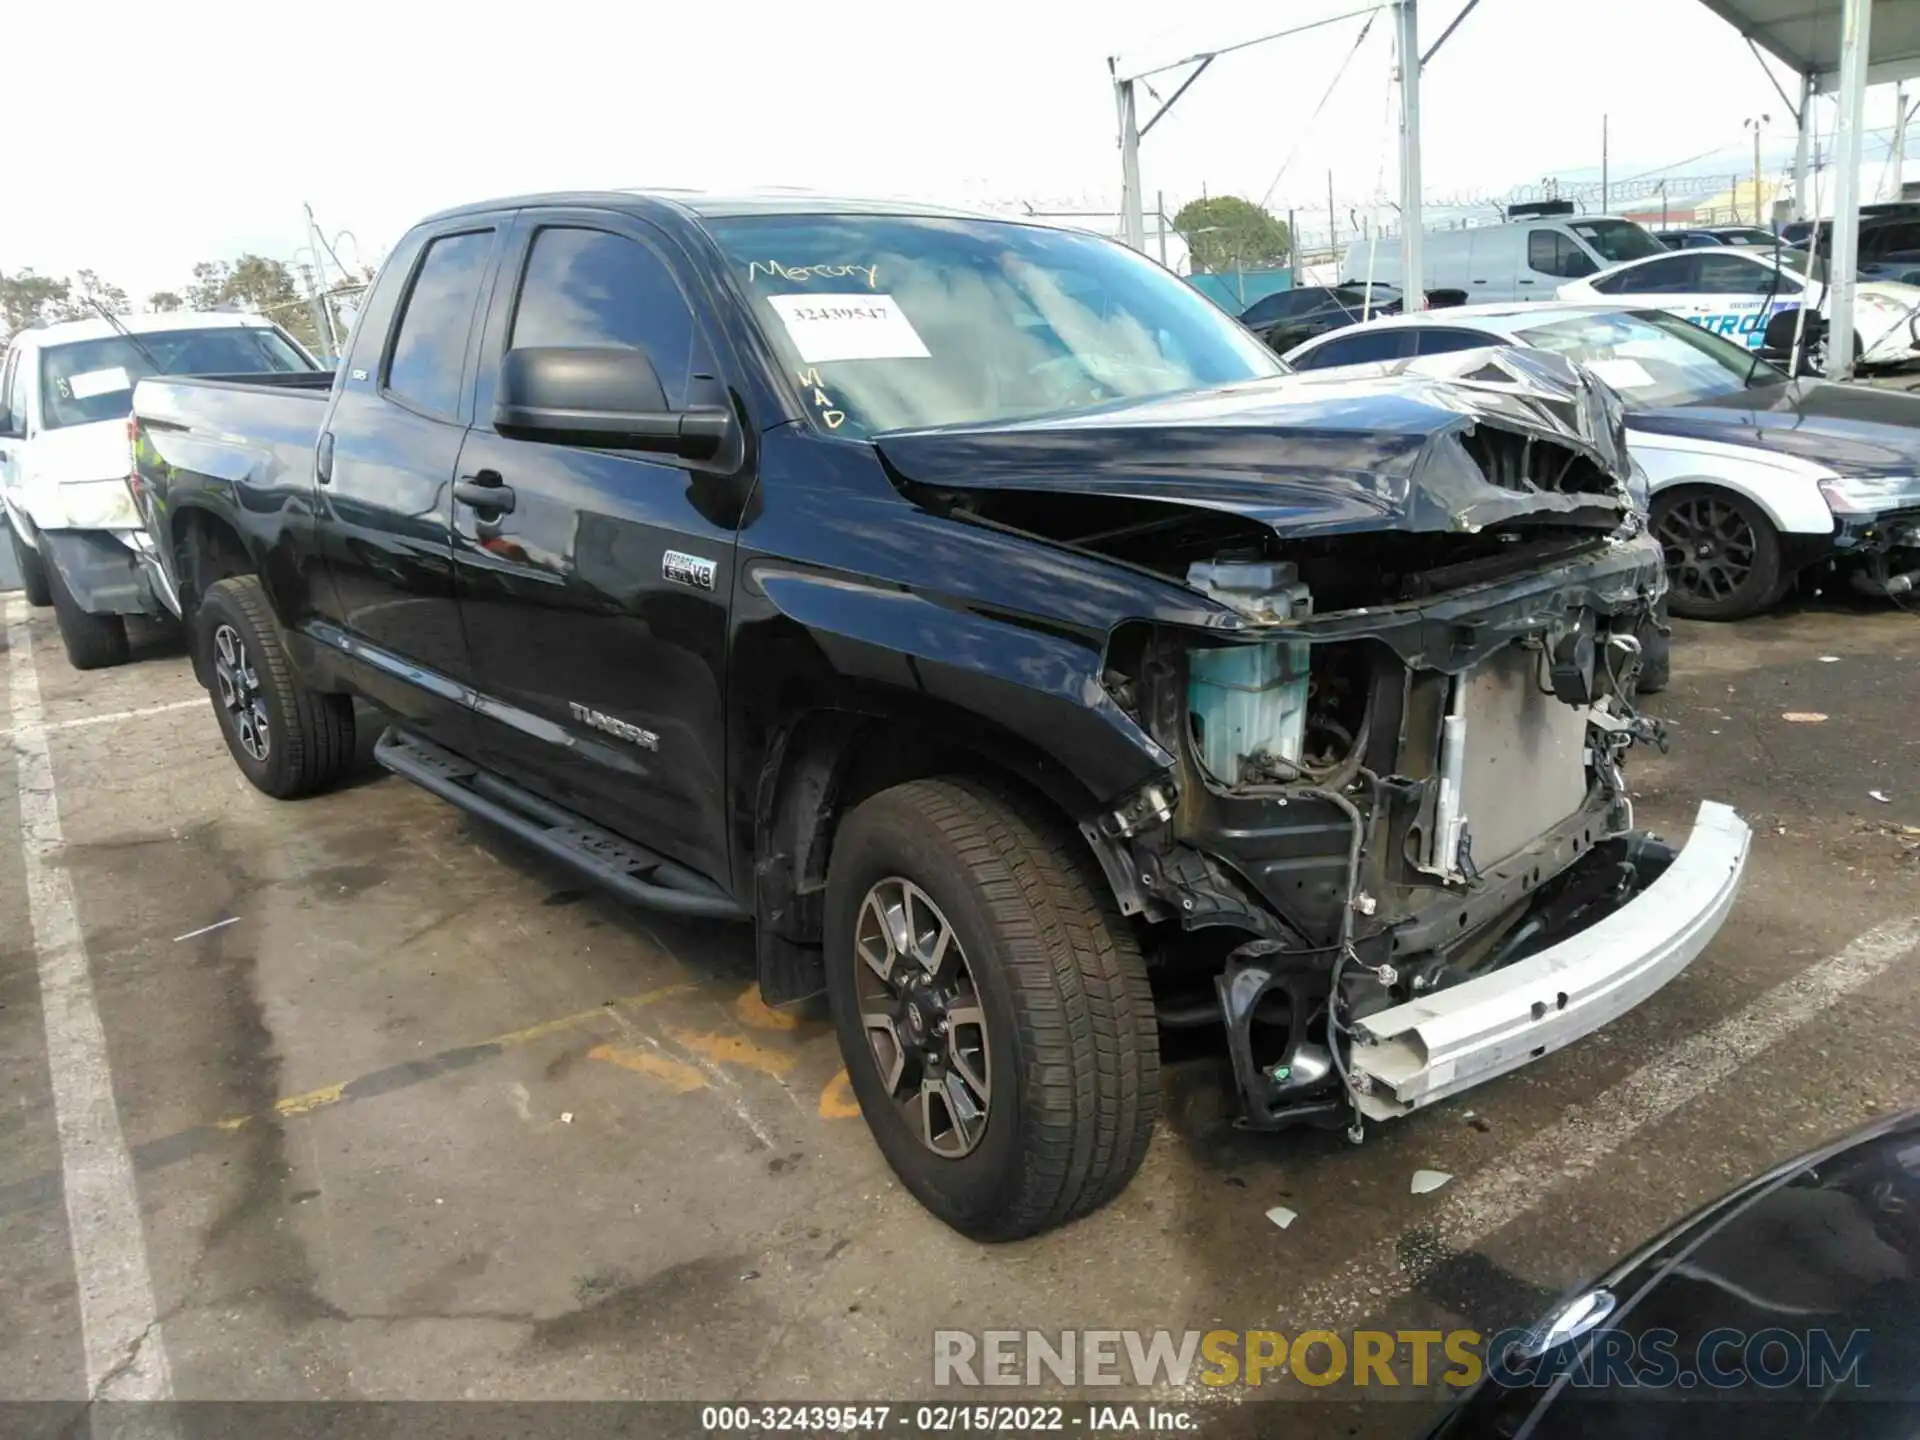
(1854, 429)
(1317, 454)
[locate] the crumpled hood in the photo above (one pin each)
(1312, 454)
(1852, 429)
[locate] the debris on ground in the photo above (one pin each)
(1881, 796)
(566, 1117)
(1282, 1216)
(1803, 717)
(1426, 1181)
(1829, 659)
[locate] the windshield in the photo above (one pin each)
(1618, 240)
(897, 322)
(1653, 359)
(91, 380)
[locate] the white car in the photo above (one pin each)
(65, 394)
(1752, 476)
(1734, 290)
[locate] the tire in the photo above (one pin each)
(1723, 554)
(33, 571)
(93, 642)
(287, 740)
(1066, 1037)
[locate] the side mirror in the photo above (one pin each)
(602, 397)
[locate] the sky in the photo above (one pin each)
(202, 128)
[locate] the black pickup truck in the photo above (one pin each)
(977, 612)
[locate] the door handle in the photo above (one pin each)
(484, 491)
(323, 459)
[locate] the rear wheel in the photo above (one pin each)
(991, 1006)
(33, 570)
(93, 642)
(287, 739)
(1722, 554)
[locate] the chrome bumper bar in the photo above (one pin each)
(1440, 1044)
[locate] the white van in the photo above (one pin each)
(1527, 260)
(65, 393)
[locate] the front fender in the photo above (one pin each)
(1788, 494)
(881, 649)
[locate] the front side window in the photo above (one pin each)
(85, 381)
(892, 322)
(1552, 253)
(1616, 241)
(1728, 273)
(430, 348)
(1673, 275)
(1653, 359)
(1364, 347)
(590, 287)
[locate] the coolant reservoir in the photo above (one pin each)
(1251, 699)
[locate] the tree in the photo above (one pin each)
(1224, 232)
(88, 295)
(253, 282)
(164, 301)
(27, 300)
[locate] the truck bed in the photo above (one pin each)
(228, 432)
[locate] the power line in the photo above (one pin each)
(1307, 129)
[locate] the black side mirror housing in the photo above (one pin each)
(600, 397)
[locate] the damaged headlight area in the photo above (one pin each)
(1378, 802)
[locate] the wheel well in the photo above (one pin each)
(206, 550)
(825, 764)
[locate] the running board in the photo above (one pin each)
(631, 871)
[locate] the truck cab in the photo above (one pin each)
(65, 462)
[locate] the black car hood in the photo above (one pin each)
(1315, 454)
(1854, 429)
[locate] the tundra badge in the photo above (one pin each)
(684, 569)
(599, 720)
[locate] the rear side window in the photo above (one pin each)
(589, 287)
(1551, 252)
(1440, 342)
(1362, 347)
(430, 348)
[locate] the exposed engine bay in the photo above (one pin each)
(1397, 746)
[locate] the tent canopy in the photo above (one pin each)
(1804, 35)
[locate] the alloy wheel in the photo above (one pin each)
(1709, 547)
(240, 693)
(922, 1015)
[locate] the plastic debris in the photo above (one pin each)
(1829, 659)
(207, 929)
(1427, 1181)
(1881, 796)
(566, 1117)
(1803, 717)
(1282, 1216)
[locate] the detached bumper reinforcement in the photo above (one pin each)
(1449, 1041)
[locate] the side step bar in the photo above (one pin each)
(631, 871)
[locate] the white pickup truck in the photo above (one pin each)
(65, 458)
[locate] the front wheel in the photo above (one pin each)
(992, 1008)
(33, 571)
(1722, 554)
(92, 642)
(287, 739)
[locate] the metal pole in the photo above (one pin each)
(1160, 223)
(1756, 177)
(1413, 282)
(1899, 138)
(1293, 252)
(1802, 206)
(1603, 165)
(1133, 228)
(1855, 36)
(1333, 231)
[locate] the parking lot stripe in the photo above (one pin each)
(114, 717)
(1483, 1203)
(125, 1356)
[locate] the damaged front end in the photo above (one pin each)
(1395, 854)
